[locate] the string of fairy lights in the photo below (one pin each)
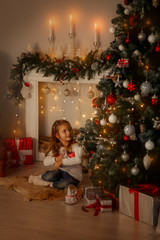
(71, 101)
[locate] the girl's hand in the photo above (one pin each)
(59, 158)
(57, 165)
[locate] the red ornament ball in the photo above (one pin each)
(110, 99)
(132, 20)
(127, 40)
(94, 103)
(108, 57)
(97, 121)
(126, 138)
(157, 48)
(91, 152)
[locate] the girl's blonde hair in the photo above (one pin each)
(55, 143)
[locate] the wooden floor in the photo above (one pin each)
(55, 220)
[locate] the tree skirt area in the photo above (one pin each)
(30, 191)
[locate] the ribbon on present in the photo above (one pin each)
(153, 189)
(97, 205)
(25, 149)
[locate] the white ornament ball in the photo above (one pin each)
(125, 156)
(145, 88)
(66, 92)
(135, 170)
(126, 83)
(46, 90)
(129, 130)
(126, 11)
(103, 122)
(97, 111)
(146, 161)
(136, 53)
(101, 94)
(149, 145)
(141, 36)
(152, 38)
(121, 47)
(137, 97)
(112, 29)
(112, 118)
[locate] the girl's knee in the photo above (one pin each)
(47, 176)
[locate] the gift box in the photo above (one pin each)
(105, 202)
(19, 151)
(137, 204)
(90, 194)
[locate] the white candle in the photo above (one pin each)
(95, 36)
(70, 26)
(50, 29)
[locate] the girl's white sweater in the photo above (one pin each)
(71, 165)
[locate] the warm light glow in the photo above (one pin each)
(116, 161)
(142, 105)
(95, 25)
(147, 67)
(83, 115)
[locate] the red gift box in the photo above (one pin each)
(19, 151)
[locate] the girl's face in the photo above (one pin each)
(64, 133)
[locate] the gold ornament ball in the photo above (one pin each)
(66, 92)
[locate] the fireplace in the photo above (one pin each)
(42, 109)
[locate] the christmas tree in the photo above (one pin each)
(123, 137)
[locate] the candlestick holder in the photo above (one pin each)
(51, 46)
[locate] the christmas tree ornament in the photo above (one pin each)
(125, 83)
(154, 100)
(112, 118)
(127, 40)
(147, 161)
(125, 156)
(121, 47)
(157, 48)
(70, 194)
(136, 53)
(66, 92)
(126, 138)
(126, 11)
(156, 123)
(145, 88)
(129, 130)
(108, 57)
(135, 170)
(155, 3)
(152, 38)
(137, 97)
(141, 36)
(101, 94)
(110, 99)
(94, 66)
(46, 90)
(90, 93)
(132, 20)
(96, 111)
(118, 82)
(123, 63)
(26, 90)
(103, 122)
(95, 103)
(112, 29)
(131, 86)
(149, 145)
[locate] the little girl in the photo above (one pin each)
(64, 155)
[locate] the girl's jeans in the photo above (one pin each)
(59, 178)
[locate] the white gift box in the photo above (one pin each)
(90, 194)
(137, 205)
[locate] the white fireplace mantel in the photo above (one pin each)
(32, 106)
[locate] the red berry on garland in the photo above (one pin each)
(97, 121)
(157, 48)
(94, 103)
(110, 99)
(108, 57)
(127, 2)
(91, 152)
(132, 20)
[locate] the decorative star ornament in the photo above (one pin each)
(118, 82)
